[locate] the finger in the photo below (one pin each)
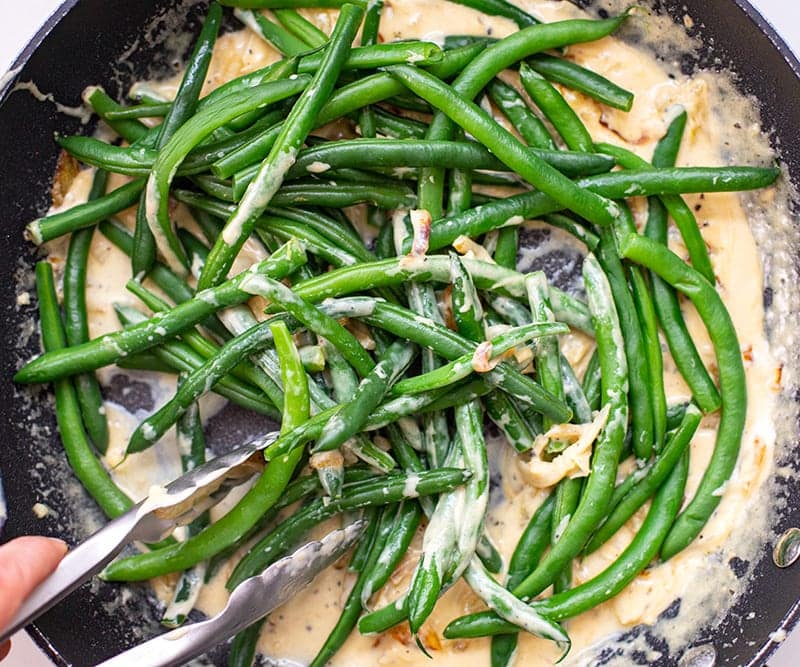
(24, 563)
(4, 649)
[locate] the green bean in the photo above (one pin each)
(439, 553)
(76, 325)
(505, 253)
(244, 646)
(344, 380)
(89, 471)
(284, 151)
(311, 317)
(641, 407)
(505, 146)
(467, 309)
(315, 243)
(608, 583)
(397, 127)
(532, 544)
(341, 195)
(108, 348)
(548, 356)
(572, 75)
(396, 271)
(145, 110)
(366, 116)
(573, 394)
(384, 490)
(733, 389)
(143, 255)
(404, 153)
(146, 361)
(491, 558)
(102, 104)
(394, 549)
(666, 151)
(514, 107)
(382, 55)
(360, 187)
(128, 160)
(512, 608)
(183, 106)
(187, 137)
(138, 160)
(675, 414)
(322, 225)
(650, 482)
(284, 41)
(556, 109)
(350, 419)
(645, 309)
(463, 366)
(469, 428)
(84, 215)
(591, 381)
(500, 8)
(301, 27)
(390, 153)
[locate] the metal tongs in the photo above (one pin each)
(153, 519)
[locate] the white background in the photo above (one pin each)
(22, 19)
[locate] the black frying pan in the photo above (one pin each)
(82, 43)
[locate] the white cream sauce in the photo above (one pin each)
(296, 631)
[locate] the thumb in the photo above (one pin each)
(24, 564)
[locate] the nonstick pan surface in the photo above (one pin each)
(113, 42)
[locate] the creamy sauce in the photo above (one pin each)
(296, 631)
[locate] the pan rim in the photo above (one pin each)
(791, 619)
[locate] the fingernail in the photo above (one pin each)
(61, 543)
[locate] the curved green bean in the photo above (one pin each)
(556, 109)
(572, 75)
(76, 325)
(733, 389)
(89, 471)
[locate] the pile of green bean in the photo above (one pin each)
(383, 361)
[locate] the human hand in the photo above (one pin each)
(24, 564)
